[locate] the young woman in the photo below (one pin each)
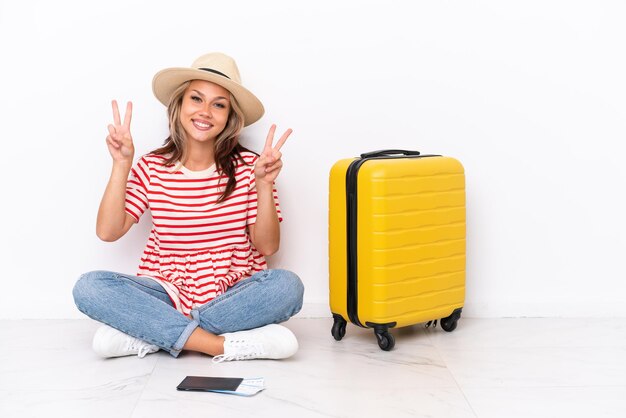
(203, 283)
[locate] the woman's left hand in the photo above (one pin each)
(269, 163)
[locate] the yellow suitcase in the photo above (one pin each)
(396, 242)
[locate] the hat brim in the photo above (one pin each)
(166, 81)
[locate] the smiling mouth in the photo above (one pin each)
(203, 126)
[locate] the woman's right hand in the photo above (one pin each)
(119, 141)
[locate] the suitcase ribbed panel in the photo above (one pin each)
(411, 239)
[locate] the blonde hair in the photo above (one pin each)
(227, 148)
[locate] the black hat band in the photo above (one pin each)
(214, 71)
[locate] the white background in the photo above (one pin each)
(529, 95)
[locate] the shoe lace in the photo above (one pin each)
(143, 350)
(140, 346)
(240, 350)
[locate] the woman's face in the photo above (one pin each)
(204, 111)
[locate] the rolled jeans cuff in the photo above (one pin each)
(189, 329)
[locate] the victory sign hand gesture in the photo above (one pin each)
(269, 163)
(119, 141)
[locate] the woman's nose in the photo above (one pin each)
(206, 111)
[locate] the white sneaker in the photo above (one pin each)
(109, 342)
(271, 341)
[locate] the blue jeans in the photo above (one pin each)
(140, 307)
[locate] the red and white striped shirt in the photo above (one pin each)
(197, 248)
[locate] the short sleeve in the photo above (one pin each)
(252, 199)
(137, 189)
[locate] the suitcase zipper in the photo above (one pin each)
(351, 205)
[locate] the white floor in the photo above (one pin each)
(500, 368)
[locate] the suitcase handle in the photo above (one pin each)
(388, 152)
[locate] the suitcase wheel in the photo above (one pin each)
(449, 323)
(385, 340)
(339, 327)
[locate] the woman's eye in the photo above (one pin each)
(220, 105)
(196, 99)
